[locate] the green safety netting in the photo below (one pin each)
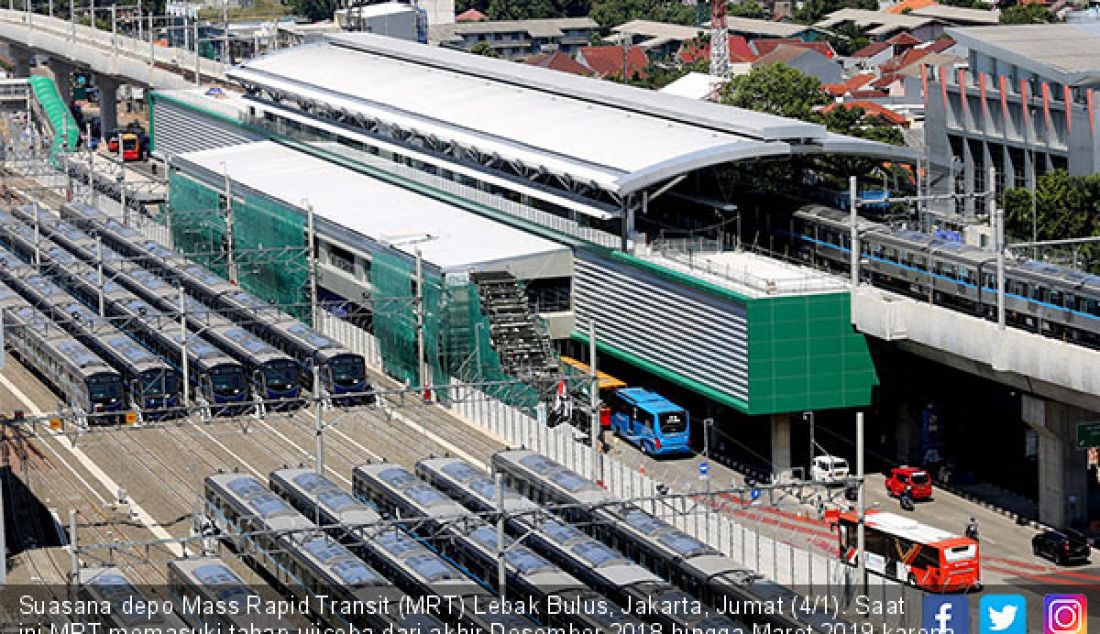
(270, 240)
(57, 111)
(195, 219)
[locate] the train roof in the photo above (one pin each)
(319, 490)
(580, 489)
(434, 504)
(109, 584)
(218, 578)
(251, 494)
(248, 343)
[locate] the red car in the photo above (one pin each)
(902, 477)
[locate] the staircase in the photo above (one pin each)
(523, 348)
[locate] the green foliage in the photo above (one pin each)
(609, 13)
(315, 10)
(1027, 14)
(847, 38)
(856, 122)
(658, 75)
(525, 9)
(776, 89)
(747, 9)
(483, 48)
(1065, 207)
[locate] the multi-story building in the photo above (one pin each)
(1023, 104)
(516, 39)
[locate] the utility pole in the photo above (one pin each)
(184, 361)
(853, 203)
(594, 404)
(37, 236)
(74, 555)
(99, 272)
(861, 536)
(311, 262)
(230, 234)
(502, 573)
(114, 36)
(318, 422)
(122, 175)
(195, 38)
(420, 365)
(997, 217)
(809, 418)
(227, 59)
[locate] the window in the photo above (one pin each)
(341, 258)
(645, 418)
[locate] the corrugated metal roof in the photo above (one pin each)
(1066, 53)
(619, 137)
(454, 240)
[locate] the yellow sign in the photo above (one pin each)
(131, 418)
(55, 424)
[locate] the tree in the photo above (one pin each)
(483, 48)
(747, 9)
(1028, 14)
(315, 10)
(847, 38)
(1065, 207)
(776, 89)
(856, 122)
(609, 13)
(526, 10)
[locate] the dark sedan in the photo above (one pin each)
(1061, 547)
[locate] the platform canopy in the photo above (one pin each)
(618, 138)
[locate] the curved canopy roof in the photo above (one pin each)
(617, 137)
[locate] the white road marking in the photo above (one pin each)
(104, 479)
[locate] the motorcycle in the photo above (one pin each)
(906, 500)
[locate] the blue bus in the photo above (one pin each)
(650, 421)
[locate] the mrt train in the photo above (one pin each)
(342, 371)
(415, 568)
(310, 565)
(152, 385)
(602, 568)
(674, 555)
(125, 610)
(467, 539)
(221, 380)
(84, 380)
(1044, 298)
(212, 598)
(275, 376)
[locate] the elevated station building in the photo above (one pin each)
(583, 163)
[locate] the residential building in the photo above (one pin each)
(764, 46)
(807, 60)
(959, 16)
(471, 15)
(753, 29)
(657, 39)
(558, 61)
(881, 26)
(1023, 104)
(516, 39)
(609, 61)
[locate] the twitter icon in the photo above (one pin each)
(1003, 614)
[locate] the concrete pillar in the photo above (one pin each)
(781, 442)
(1063, 488)
(21, 60)
(108, 103)
(62, 76)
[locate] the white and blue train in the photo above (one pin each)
(307, 563)
(274, 375)
(153, 387)
(601, 567)
(211, 597)
(125, 611)
(467, 539)
(413, 566)
(1044, 298)
(343, 372)
(83, 380)
(687, 562)
(220, 379)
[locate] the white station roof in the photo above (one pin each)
(450, 238)
(618, 137)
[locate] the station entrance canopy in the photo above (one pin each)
(577, 133)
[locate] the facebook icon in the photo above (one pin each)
(946, 615)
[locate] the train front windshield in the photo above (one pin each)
(348, 370)
(156, 383)
(281, 375)
(105, 389)
(227, 381)
(673, 422)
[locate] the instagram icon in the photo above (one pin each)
(1065, 614)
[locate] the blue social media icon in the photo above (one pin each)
(1003, 614)
(946, 615)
